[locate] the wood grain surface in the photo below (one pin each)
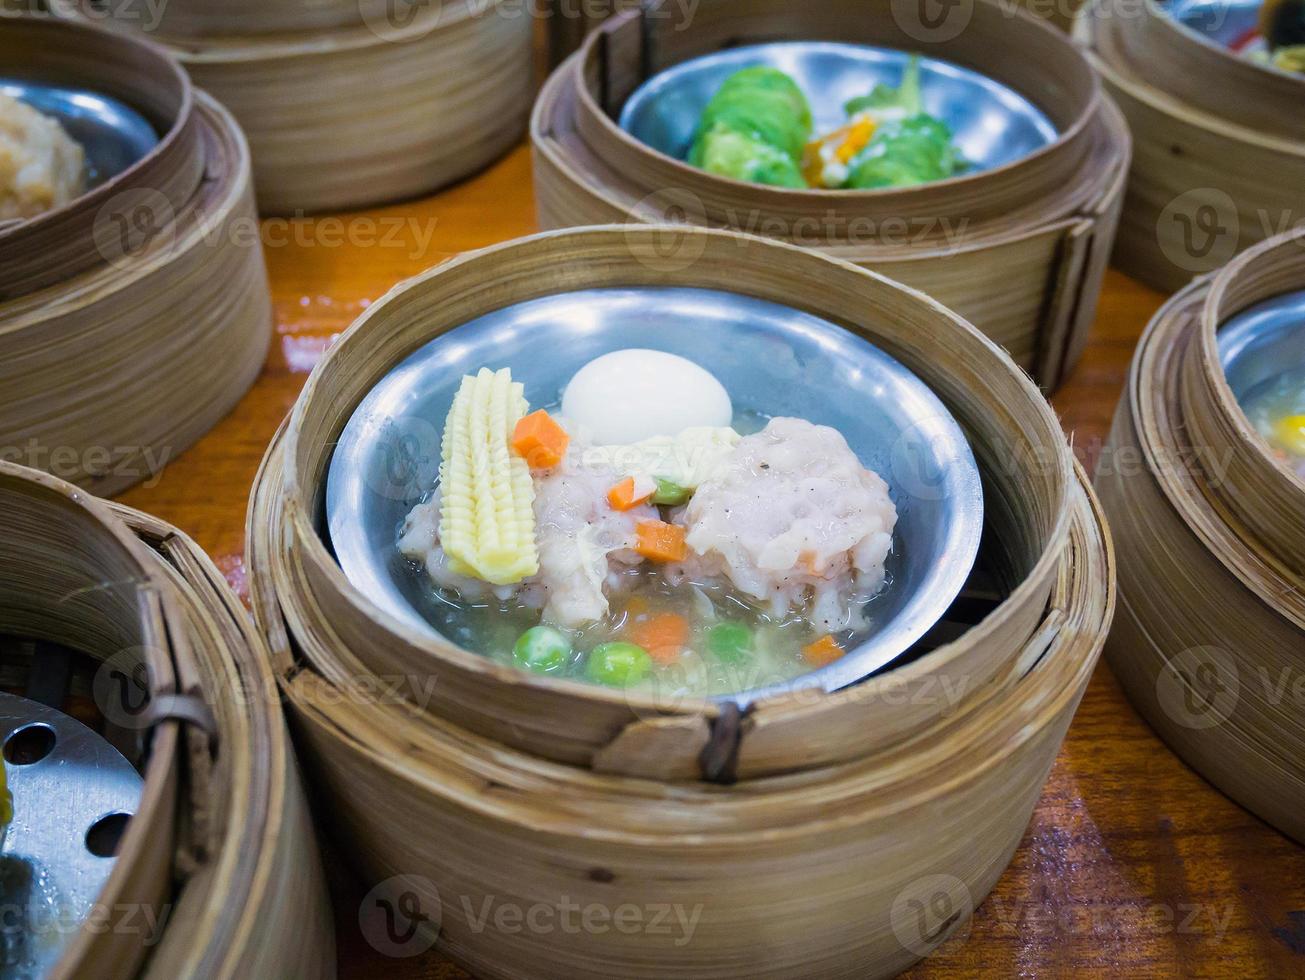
(1132, 865)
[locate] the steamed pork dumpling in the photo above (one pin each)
(755, 129)
(584, 544)
(41, 167)
(793, 520)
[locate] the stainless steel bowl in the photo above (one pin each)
(71, 796)
(1263, 341)
(113, 134)
(1225, 22)
(772, 359)
(991, 124)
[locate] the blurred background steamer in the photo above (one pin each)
(351, 104)
(1210, 638)
(570, 22)
(134, 307)
(1041, 223)
(1219, 156)
(156, 826)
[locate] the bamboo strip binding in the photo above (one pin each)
(1210, 635)
(1220, 150)
(108, 375)
(221, 847)
(400, 105)
(1016, 438)
(1046, 222)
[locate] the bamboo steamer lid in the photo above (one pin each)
(220, 847)
(807, 873)
(1211, 176)
(110, 374)
(1210, 533)
(371, 114)
(1015, 436)
(56, 246)
(1046, 221)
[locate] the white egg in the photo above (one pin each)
(631, 395)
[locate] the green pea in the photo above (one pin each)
(618, 664)
(542, 649)
(670, 494)
(729, 641)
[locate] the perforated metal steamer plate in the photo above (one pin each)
(72, 795)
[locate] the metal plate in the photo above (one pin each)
(49, 878)
(113, 134)
(772, 359)
(991, 124)
(1262, 341)
(1230, 23)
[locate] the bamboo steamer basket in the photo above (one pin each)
(209, 18)
(817, 873)
(1219, 153)
(1211, 632)
(1016, 438)
(108, 375)
(569, 23)
(221, 846)
(1046, 222)
(358, 116)
(59, 244)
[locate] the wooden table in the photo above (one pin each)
(1132, 864)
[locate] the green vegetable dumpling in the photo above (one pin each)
(755, 129)
(904, 153)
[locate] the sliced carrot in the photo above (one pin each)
(631, 492)
(823, 652)
(659, 541)
(539, 440)
(664, 635)
(857, 136)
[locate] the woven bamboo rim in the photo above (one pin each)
(1203, 186)
(1259, 491)
(111, 374)
(1046, 222)
(183, 19)
(1186, 65)
(1205, 656)
(799, 874)
(221, 841)
(1015, 435)
(57, 245)
(368, 115)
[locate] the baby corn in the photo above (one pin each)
(487, 521)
